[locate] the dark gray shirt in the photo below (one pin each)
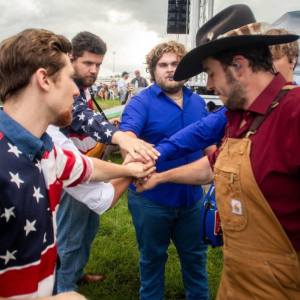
(142, 82)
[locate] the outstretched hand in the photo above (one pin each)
(147, 163)
(137, 170)
(143, 185)
(134, 146)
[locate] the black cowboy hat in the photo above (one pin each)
(234, 26)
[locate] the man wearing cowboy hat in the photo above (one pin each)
(256, 170)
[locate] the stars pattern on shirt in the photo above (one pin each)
(104, 123)
(97, 136)
(29, 226)
(8, 256)
(37, 194)
(15, 178)
(81, 116)
(38, 165)
(45, 240)
(8, 213)
(90, 122)
(83, 128)
(108, 132)
(14, 149)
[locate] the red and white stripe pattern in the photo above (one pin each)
(29, 199)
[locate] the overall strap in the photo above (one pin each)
(260, 118)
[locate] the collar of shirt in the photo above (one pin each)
(259, 106)
(159, 91)
(30, 145)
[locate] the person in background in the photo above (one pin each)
(103, 93)
(210, 106)
(122, 89)
(285, 56)
(139, 81)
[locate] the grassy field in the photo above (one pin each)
(106, 104)
(115, 255)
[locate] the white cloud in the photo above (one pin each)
(131, 28)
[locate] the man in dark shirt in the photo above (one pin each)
(256, 170)
(139, 81)
(86, 130)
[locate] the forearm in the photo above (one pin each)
(196, 173)
(209, 150)
(120, 185)
(118, 136)
(104, 171)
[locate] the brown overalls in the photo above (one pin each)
(259, 259)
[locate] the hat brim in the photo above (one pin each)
(191, 63)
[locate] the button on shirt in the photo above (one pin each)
(153, 116)
(33, 173)
(275, 152)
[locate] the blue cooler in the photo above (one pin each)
(210, 222)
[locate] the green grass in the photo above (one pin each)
(106, 104)
(115, 255)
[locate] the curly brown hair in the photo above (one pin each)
(157, 52)
(290, 49)
(87, 41)
(23, 54)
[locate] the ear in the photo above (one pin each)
(293, 64)
(239, 64)
(43, 79)
(71, 57)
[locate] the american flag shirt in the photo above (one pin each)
(87, 127)
(33, 173)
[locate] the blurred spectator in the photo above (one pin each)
(139, 81)
(103, 93)
(284, 56)
(123, 93)
(113, 84)
(210, 106)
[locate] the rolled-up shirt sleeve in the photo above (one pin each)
(90, 123)
(98, 196)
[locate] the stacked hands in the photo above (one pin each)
(145, 178)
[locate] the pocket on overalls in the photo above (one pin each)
(229, 196)
(257, 279)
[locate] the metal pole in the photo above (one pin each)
(210, 9)
(195, 13)
(114, 52)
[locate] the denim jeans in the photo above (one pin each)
(77, 227)
(155, 225)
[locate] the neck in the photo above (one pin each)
(256, 84)
(27, 111)
(174, 94)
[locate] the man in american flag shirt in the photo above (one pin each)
(37, 89)
(77, 224)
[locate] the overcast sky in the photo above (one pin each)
(130, 28)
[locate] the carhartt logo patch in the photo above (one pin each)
(236, 206)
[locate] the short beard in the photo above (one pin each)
(237, 99)
(62, 120)
(82, 81)
(175, 88)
